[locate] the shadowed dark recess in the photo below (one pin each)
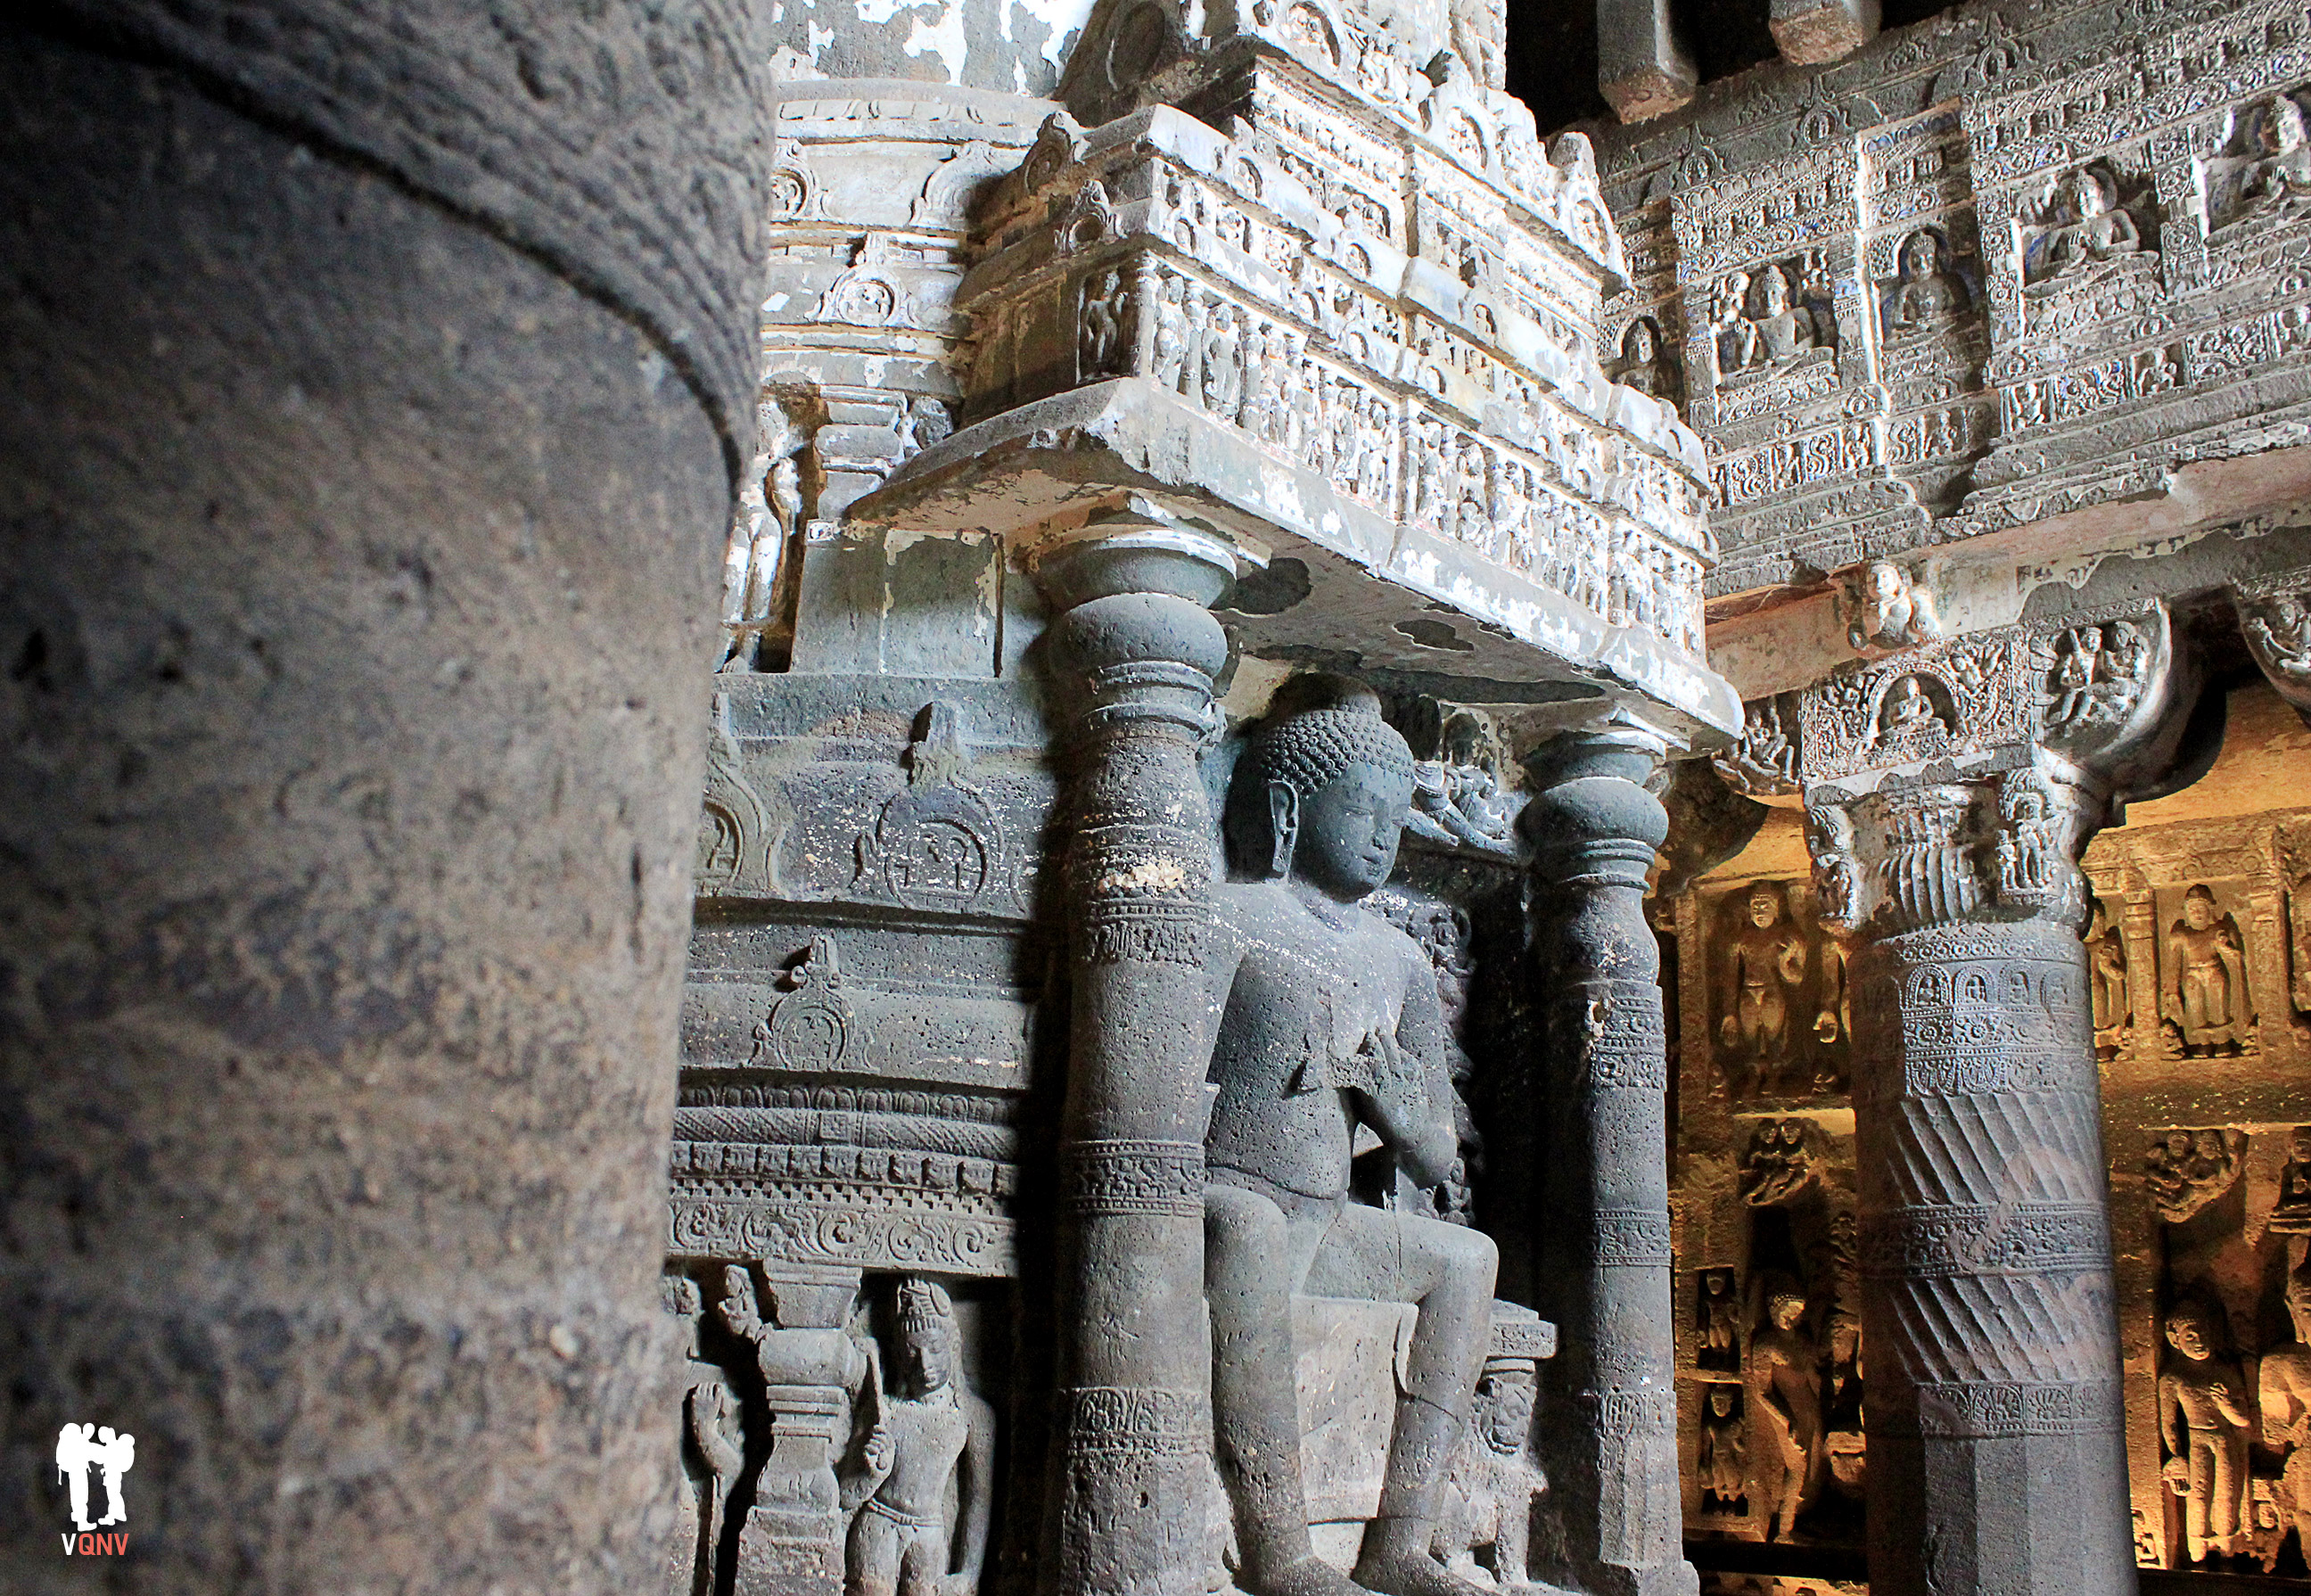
(1552, 48)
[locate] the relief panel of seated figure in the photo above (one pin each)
(1330, 1022)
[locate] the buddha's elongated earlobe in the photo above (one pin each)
(1283, 827)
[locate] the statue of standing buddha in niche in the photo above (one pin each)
(2207, 957)
(1765, 961)
(2203, 1420)
(1329, 1025)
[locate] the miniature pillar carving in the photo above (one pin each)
(791, 1542)
(1996, 1453)
(1613, 1471)
(1135, 1400)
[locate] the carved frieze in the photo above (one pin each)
(2185, 1169)
(1444, 382)
(2076, 237)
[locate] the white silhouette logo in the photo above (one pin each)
(80, 1448)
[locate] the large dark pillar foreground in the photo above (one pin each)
(1997, 1462)
(1135, 1397)
(355, 608)
(1611, 1454)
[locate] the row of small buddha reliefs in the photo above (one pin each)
(1885, 321)
(2081, 229)
(1537, 490)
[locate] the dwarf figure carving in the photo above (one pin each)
(1330, 1022)
(2203, 1419)
(921, 1501)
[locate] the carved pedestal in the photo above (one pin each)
(791, 1543)
(1604, 1197)
(1135, 1403)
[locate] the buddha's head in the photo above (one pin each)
(2190, 1331)
(1773, 293)
(926, 1335)
(1921, 256)
(2199, 907)
(2283, 126)
(1765, 906)
(1641, 345)
(1786, 1307)
(1323, 790)
(1721, 1399)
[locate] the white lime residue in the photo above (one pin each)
(1064, 18)
(1148, 875)
(943, 38)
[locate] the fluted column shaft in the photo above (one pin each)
(1996, 1457)
(1604, 1192)
(1135, 1402)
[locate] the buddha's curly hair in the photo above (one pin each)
(1316, 728)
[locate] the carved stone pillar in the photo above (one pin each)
(372, 393)
(1950, 789)
(1996, 1456)
(1603, 1202)
(1642, 69)
(1135, 1399)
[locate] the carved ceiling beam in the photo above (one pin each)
(1810, 32)
(1642, 69)
(1949, 791)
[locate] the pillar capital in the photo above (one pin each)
(2275, 612)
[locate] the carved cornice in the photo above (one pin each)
(1978, 275)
